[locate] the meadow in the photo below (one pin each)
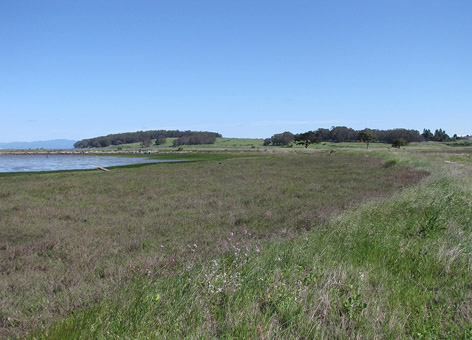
(300, 244)
(220, 143)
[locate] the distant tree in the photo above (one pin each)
(340, 134)
(146, 143)
(367, 136)
(441, 136)
(196, 138)
(427, 134)
(160, 139)
(388, 136)
(397, 143)
(322, 134)
(306, 138)
(280, 139)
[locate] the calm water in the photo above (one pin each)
(26, 163)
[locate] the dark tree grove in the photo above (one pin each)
(306, 138)
(339, 134)
(427, 135)
(388, 136)
(196, 138)
(439, 135)
(342, 134)
(161, 139)
(280, 139)
(144, 137)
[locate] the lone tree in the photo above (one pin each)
(397, 143)
(306, 138)
(146, 143)
(367, 136)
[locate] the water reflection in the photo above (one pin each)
(27, 163)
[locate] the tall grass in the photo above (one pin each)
(395, 269)
(70, 239)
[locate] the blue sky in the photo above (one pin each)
(244, 68)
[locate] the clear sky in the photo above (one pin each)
(244, 68)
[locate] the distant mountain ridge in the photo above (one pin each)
(46, 144)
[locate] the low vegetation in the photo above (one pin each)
(72, 239)
(397, 268)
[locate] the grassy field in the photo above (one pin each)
(257, 143)
(245, 245)
(221, 143)
(252, 143)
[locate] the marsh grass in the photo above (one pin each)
(70, 239)
(393, 269)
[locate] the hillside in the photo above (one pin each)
(48, 144)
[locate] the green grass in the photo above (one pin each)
(250, 143)
(221, 143)
(459, 143)
(392, 269)
(75, 239)
(463, 158)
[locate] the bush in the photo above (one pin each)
(397, 143)
(280, 139)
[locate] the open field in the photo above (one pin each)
(70, 238)
(257, 143)
(221, 143)
(248, 143)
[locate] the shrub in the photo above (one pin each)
(397, 143)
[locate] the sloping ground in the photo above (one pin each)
(68, 239)
(397, 269)
(219, 143)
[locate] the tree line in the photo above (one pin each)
(338, 134)
(146, 138)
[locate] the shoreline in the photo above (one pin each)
(85, 152)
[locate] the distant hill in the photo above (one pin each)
(46, 144)
(145, 137)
